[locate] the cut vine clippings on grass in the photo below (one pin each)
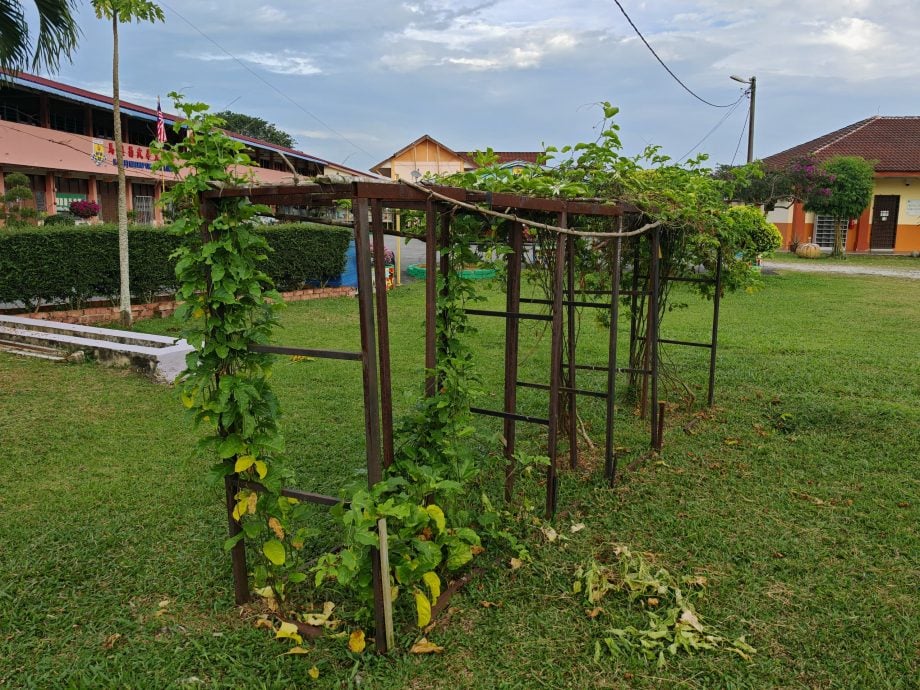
(673, 625)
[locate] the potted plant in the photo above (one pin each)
(84, 209)
(389, 261)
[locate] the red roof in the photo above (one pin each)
(169, 118)
(892, 142)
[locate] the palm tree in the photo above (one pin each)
(121, 11)
(57, 35)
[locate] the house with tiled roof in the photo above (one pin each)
(426, 155)
(892, 221)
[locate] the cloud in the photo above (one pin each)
(286, 62)
(853, 33)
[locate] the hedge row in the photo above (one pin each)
(73, 264)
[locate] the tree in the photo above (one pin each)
(18, 190)
(57, 35)
(848, 192)
(256, 127)
(122, 11)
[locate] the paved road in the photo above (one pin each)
(850, 269)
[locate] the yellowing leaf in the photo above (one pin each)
(433, 582)
(320, 618)
(438, 516)
(313, 673)
(516, 563)
(356, 641)
(288, 631)
(423, 608)
(261, 469)
(198, 313)
(276, 527)
(187, 400)
(423, 646)
(243, 463)
(274, 551)
(297, 650)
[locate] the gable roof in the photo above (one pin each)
(893, 142)
(75, 93)
(425, 137)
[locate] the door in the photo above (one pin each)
(884, 221)
(108, 201)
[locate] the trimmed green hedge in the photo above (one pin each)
(73, 264)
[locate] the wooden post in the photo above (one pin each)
(513, 305)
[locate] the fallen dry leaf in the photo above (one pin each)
(297, 650)
(595, 612)
(423, 646)
(652, 601)
(111, 640)
(313, 673)
(489, 604)
(475, 549)
(356, 642)
(577, 527)
(516, 563)
(550, 534)
(688, 617)
(263, 622)
(320, 618)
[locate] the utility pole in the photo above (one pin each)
(753, 93)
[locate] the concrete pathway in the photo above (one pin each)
(849, 269)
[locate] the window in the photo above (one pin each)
(824, 231)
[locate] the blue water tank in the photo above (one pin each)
(349, 277)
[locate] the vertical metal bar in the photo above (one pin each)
(431, 297)
(383, 333)
(633, 306)
(555, 375)
(570, 314)
(652, 320)
(238, 552)
(513, 304)
(371, 401)
(610, 456)
(716, 299)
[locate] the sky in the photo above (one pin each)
(356, 80)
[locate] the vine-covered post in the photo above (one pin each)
(610, 458)
(652, 326)
(371, 401)
(431, 297)
(555, 376)
(714, 343)
(512, 306)
(571, 396)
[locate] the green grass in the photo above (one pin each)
(902, 262)
(798, 499)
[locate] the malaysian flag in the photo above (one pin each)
(161, 124)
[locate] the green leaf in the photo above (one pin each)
(274, 551)
(458, 555)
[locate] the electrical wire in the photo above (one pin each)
(662, 63)
(711, 131)
(274, 88)
(743, 128)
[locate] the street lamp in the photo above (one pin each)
(753, 92)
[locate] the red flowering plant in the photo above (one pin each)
(84, 209)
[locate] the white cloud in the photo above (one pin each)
(286, 62)
(853, 33)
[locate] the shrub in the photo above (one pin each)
(305, 253)
(60, 219)
(72, 264)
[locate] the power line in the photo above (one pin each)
(668, 69)
(269, 84)
(743, 127)
(711, 131)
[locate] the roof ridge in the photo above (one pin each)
(863, 124)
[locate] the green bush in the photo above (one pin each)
(72, 264)
(305, 253)
(60, 219)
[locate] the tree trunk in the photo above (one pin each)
(123, 269)
(838, 239)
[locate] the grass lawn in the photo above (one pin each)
(798, 499)
(900, 261)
